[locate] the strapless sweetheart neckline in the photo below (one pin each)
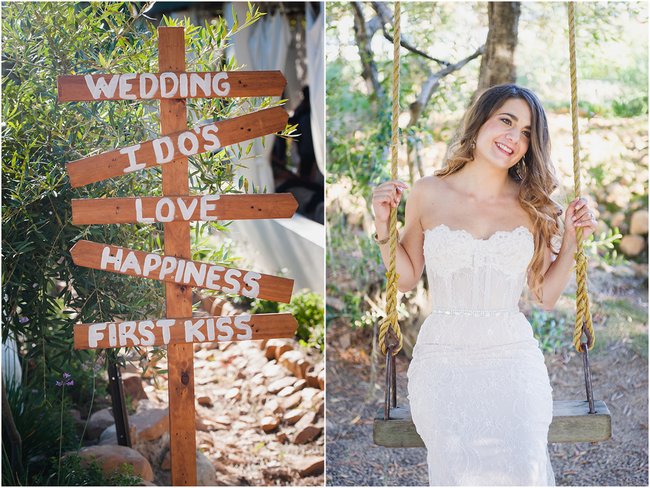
(486, 239)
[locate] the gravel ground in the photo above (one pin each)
(620, 377)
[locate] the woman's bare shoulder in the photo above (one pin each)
(429, 183)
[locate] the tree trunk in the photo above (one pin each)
(497, 65)
(363, 38)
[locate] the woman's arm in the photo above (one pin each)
(409, 256)
(558, 272)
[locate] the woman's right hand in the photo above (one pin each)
(384, 197)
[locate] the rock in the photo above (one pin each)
(639, 222)
(111, 458)
(307, 434)
(272, 370)
(98, 422)
(618, 220)
(308, 394)
(306, 420)
(632, 245)
(310, 466)
(300, 384)
(278, 385)
(205, 401)
(166, 463)
(109, 436)
(292, 401)
(269, 423)
(290, 359)
(272, 407)
(345, 340)
(259, 391)
(206, 475)
(223, 420)
(293, 416)
(321, 380)
(275, 348)
(285, 392)
(233, 394)
(312, 377)
(282, 438)
(150, 424)
(133, 388)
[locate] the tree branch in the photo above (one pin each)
(363, 37)
(433, 82)
(386, 17)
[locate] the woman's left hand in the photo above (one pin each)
(578, 214)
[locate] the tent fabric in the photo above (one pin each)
(316, 80)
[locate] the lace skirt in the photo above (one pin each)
(481, 401)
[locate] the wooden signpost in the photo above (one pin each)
(175, 209)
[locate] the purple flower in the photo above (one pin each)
(66, 381)
(23, 320)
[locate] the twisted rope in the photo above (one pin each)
(390, 322)
(583, 316)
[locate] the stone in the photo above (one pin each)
(133, 388)
(639, 222)
(166, 463)
(109, 436)
(285, 392)
(272, 369)
(307, 434)
(300, 384)
(618, 220)
(278, 385)
(632, 245)
(150, 424)
(310, 466)
(111, 458)
(306, 420)
(233, 394)
(282, 438)
(293, 416)
(98, 422)
(312, 377)
(275, 345)
(308, 394)
(289, 360)
(269, 423)
(292, 401)
(223, 420)
(272, 406)
(321, 380)
(205, 401)
(206, 475)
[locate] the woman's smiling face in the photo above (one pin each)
(504, 138)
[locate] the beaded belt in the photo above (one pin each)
(476, 313)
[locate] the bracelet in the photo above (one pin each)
(380, 242)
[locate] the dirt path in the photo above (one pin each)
(620, 377)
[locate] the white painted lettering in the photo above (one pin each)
(182, 143)
(133, 162)
(250, 279)
(112, 334)
(183, 83)
(158, 149)
(179, 271)
(187, 210)
(209, 134)
(194, 273)
(138, 213)
(213, 277)
(127, 332)
(219, 84)
(100, 87)
(209, 325)
(207, 206)
(231, 279)
(197, 81)
(192, 330)
(168, 266)
(165, 325)
(241, 323)
(146, 333)
(151, 262)
(131, 262)
(223, 325)
(165, 91)
(108, 258)
(153, 79)
(125, 86)
(160, 210)
(95, 334)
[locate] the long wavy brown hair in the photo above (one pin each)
(536, 176)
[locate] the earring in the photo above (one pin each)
(473, 145)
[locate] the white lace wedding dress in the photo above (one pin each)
(478, 387)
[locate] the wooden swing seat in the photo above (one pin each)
(571, 423)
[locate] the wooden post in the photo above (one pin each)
(180, 357)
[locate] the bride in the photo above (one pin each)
(485, 224)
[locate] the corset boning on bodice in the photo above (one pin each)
(475, 286)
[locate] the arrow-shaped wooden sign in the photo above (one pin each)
(146, 86)
(181, 271)
(166, 149)
(173, 331)
(173, 209)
